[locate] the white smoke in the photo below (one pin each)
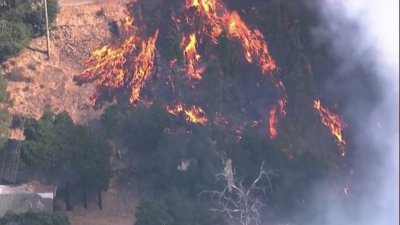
(372, 41)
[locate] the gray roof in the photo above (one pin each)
(23, 202)
(21, 199)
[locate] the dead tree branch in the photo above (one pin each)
(241, 202)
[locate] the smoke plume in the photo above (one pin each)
(363, 40)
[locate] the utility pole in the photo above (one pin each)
(47, 29)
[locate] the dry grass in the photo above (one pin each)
(78, 32)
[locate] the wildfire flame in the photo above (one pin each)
(193, 114)
(273, 121)
(217, 18)
(192, 57)
(143, 66)
(175, 110)
(111, 67)
(196, 115)
(130, 64)
(334, 123)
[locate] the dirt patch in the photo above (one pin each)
(119, 204)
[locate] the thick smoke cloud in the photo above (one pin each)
(363, 38)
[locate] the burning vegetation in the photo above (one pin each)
(193, 114)
(130, 64)
(137, 70)
(207, 91)
(334, 123)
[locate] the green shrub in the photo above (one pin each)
(3, 87)
(14, 37)
(21, 21)
(4, 127)
(54, 144)
(152, 213)
(34, 218)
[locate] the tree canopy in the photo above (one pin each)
(54, 143)
(20, 21)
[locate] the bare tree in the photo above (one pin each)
(241, 202)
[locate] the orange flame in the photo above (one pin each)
(192, 57)
(219, 19)
(253, 42)
(178, 108)
(273, 121)
(334, 123)
(193, 114)
(216, 19)
(128, 24)
(111, 67)
(196, 115)
(143, 66)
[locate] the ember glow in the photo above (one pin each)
(273, 121)
(334, 123)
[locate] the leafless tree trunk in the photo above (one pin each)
(240, 202)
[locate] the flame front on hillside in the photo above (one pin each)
(130, 64)
(334, 123)
(144, 63)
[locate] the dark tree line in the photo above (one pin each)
(57, 149)
(34, 218)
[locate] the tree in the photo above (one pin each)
(14, 37)
(3, 87)
(4, 127)
(152, 213)
(141, 127)
(54, 144)
(4, 117)
(240, 202)
(34, 218)
(20, 21)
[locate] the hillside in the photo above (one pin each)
(199, 112)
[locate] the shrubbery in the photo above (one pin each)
(20, 21)
(34, 218)
(55, 145)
